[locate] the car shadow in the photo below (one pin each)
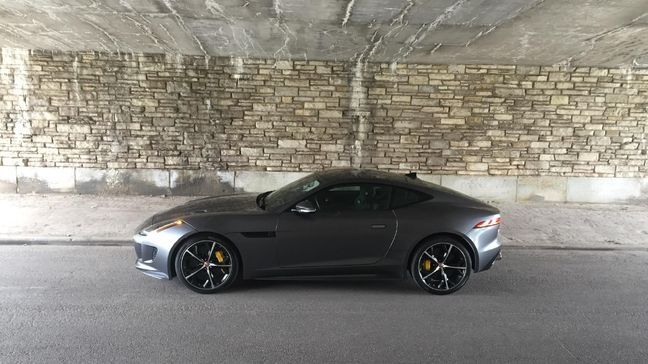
(479, 285)
(389, 286)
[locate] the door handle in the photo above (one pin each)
(378, 226)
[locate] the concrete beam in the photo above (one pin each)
(8, 179)
(542, 188)
(644, 186)
(45, 180)
(148, 181)
(264, 181)
(122, 181)
(592, 189)
(99, 181)
(489, 188)
(202, 183)
(393, 31)
(432, 178)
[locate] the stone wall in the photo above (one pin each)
(165, 112)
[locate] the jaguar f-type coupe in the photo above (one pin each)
(342, 222)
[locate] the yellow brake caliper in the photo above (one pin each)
(219, 256)
(427, 264)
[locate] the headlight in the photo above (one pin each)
(156, 228)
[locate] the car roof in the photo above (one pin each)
(410, 180)
(345, 175)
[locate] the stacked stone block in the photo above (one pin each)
(109, 111)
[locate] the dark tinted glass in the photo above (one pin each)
(404, 197)
(360, 197)
(292, 191)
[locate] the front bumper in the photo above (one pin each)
(155, 250)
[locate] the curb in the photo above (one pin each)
(66, 242)
(595, 248)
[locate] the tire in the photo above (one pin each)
(207, 258)
(438, 272)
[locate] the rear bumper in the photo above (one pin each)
(490, 264)
(155, 251)
(488, 248)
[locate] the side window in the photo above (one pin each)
(403, 197)
(357, 197)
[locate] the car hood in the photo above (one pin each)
(220, 204)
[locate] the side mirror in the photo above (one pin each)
(304, 207)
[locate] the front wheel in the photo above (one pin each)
(207, 264)
(441, 265)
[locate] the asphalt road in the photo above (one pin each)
(88, 304)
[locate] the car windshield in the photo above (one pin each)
(291, 191)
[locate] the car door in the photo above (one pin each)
(353, 225)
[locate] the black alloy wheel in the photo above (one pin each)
(206, 264)
(441, 265)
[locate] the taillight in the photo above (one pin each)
(495, 220)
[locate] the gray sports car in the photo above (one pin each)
(332, 223)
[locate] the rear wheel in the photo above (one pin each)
(441, 265)
(207, 264)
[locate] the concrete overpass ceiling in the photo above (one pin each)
(579, 32)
